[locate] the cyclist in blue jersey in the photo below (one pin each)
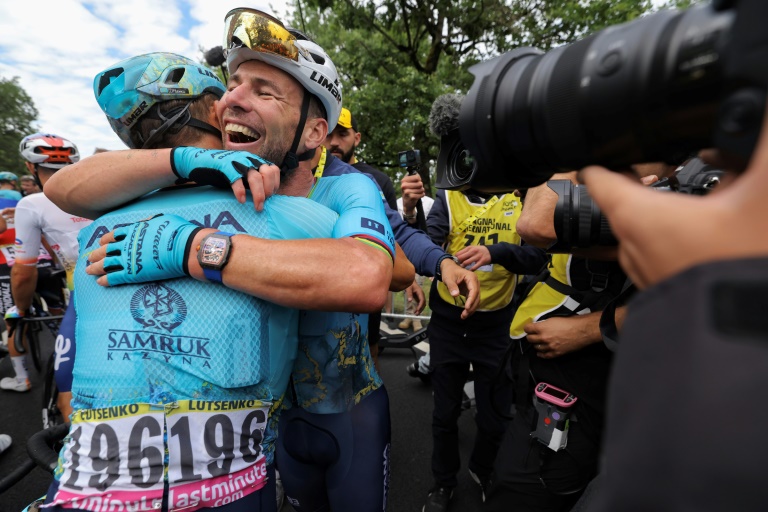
(169, 367)
(8, 181)
(262, 113)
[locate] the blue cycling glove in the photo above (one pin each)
(213, 166)
(150, 250)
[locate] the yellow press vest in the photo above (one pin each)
(484, 224)
(543, 299)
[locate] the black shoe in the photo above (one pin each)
(483, 481)
(413, 371)
(438, 499)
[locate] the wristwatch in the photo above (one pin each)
(213, 254)
(446, 256)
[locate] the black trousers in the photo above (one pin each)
(535, 478)
(452, 350)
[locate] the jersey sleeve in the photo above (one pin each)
(28, 233)
(294, 218)
(358, 202)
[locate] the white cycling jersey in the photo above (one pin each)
(37, 216)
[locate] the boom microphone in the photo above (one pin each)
(444, 116)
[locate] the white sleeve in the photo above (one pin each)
(28, 233)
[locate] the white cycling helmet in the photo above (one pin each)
(51, 151)
(255, 35)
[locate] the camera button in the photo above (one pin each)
(610, 63)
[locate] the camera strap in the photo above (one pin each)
(608, 329)
(603, 286)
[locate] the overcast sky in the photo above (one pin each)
(56, 47)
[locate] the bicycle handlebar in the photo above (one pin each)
(40, 446)
(18, 335)
(41, 454)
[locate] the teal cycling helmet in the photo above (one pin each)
(8, 176)
(127, 90)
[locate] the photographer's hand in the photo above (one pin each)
(473, 257)
(675, 231)
(557, 336)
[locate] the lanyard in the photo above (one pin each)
(321, 165)
(472, 218)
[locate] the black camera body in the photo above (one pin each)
(650, 90)
(409, 159)
(579, 223)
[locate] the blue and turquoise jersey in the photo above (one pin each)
(334, 369)
(10, 195)
(181, 339)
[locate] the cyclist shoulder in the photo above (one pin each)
(12, 195)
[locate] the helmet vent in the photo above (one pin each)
(319, 59)
(176, 75)
(108, 76)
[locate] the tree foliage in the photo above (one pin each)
(17, 114)
(396, 56)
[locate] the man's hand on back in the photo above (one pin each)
(149, 250)
(223, 169)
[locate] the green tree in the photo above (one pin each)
(17, 114)
(396, 56)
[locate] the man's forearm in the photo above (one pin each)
(23, 284)
(104, 181)
(321, 274)
(403, 272)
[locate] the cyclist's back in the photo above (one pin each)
(182, 354)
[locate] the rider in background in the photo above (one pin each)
(28, 185)
(8, 199)
(8, 181)
(35, 216)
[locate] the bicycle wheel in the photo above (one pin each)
(51, 414)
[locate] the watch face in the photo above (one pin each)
(214, 251)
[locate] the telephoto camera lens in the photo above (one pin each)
(639, 92)
(579, 223)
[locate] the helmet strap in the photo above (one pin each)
(202, 125)
(168, 122)
(37, 178)
(291, 160)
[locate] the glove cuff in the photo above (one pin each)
(173, 162)
(188, 249)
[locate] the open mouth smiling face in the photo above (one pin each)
(238, 134)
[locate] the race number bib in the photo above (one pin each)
(116, 456)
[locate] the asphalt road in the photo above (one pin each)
(410, 405)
